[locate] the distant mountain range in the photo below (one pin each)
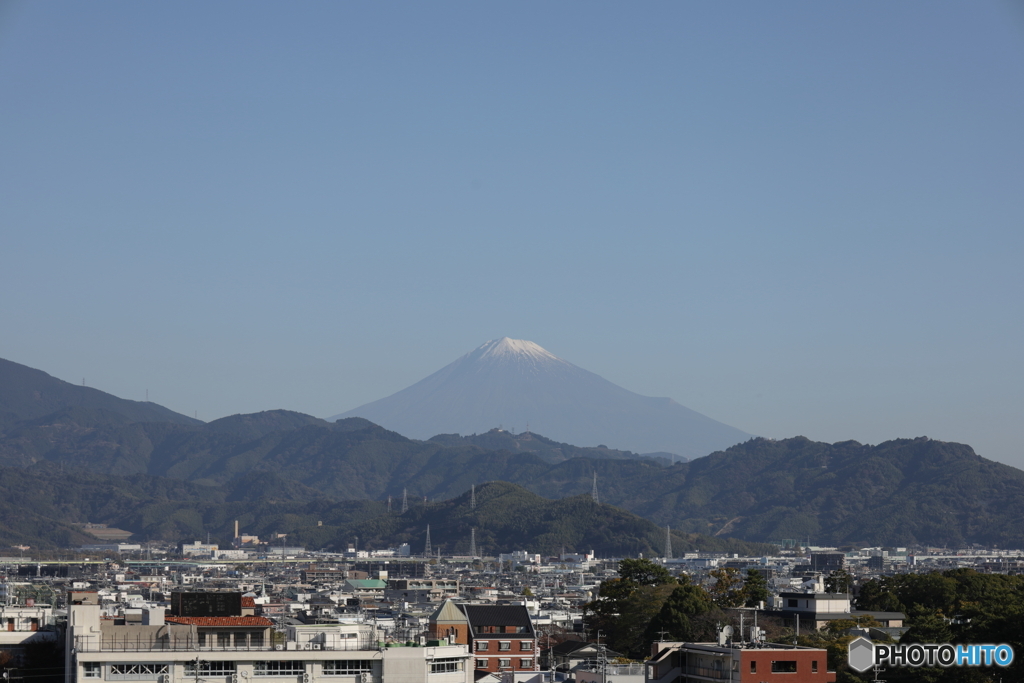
(26, 393)
(515, 383)
(179, 474)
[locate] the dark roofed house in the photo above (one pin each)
(500, 637)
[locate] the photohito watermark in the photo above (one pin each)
(864, 654)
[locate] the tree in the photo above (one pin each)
(728, 588)
(838, 581)
(644, 573)
(677, 618)
(625, 606)
(755, 588)
(527, 592)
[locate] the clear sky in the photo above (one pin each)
(794, 217)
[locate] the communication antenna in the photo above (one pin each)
(472, 542)
(426, 547)
(593, 491)
(668, 542)
(405, 501)
(472, 497)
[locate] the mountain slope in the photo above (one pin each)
(28, 393)
(515, 382)
(900, 492)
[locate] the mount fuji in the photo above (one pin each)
(516, 383)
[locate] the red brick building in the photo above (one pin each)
(739, 662)
(500, 637)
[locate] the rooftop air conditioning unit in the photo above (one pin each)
(316, 646)
(279, 646)
(365, 677)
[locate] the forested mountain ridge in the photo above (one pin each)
(45, 507)
(901, 492)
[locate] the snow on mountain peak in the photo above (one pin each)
(511, 349)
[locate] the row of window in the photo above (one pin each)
(150, 671)
(785, 666)
(501, 629)
(446, 665)
(504, 645)
(228, 639)
(505, 663)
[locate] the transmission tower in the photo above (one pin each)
(405, 501)
(389, 504)
(426, 547)
(472, 542)
(593, 491)
(472, 497)
(668, 543)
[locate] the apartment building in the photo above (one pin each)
(229, 649)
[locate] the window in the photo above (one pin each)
(347, 667)
(504, 663)
(814, 666)
(481, 663)
(784, 667)
(525, 645)
(525, 663)
(92, 670)
(504, 645)
(278, 668)
(210, 668)
(446, 665)
(240, 638)
(753, 667)
(482, 645)
(136, 672)
(256, 639)
(794, 603)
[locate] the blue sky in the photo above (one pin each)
(797, 218)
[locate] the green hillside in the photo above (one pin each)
(901, 492)
(51, 503)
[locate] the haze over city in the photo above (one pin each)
(792, 218)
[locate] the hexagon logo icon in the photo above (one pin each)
(862, 654)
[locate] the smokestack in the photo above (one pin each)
(236, 528)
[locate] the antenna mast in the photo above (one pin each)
(426, 547)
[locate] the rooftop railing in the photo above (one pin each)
(139, 643)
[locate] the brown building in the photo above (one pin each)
(500, 637)
(739, 662)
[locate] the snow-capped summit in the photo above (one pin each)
(513, 350)
(514, 382)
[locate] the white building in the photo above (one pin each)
(233, 649)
